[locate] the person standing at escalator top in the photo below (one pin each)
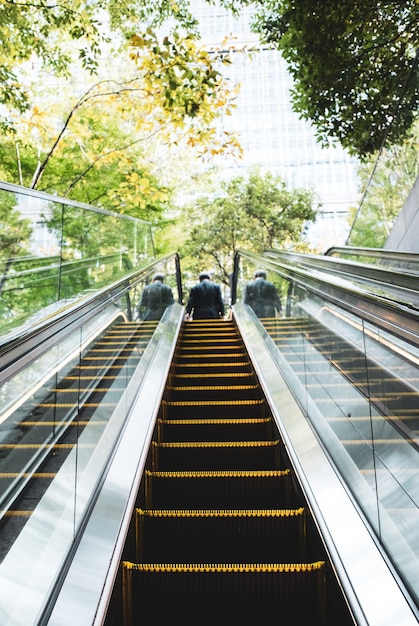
(205, 300)
(156, 297)
(262, 296)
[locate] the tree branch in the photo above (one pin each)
(85, 98)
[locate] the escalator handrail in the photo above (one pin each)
(394, 277)
(375, 253)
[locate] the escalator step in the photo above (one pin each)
(226, 593)
(215, 429)
(202, 368)
(219, 490)
(211, 359)
(232, 341)
(202, 392)
(218, 536)
(210, 455)
(207, 408)
(214, 378)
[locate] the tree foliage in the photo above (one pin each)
(354, 65)
(385, 191)
(254, 213)
(50, 34)
(30, 32)
(105, 143)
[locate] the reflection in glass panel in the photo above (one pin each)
(53, 251)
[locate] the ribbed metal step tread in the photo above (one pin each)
(210, 407)
(216, 444)
(219, 392)
(212, 455)
(193, 388)
(217, 536)
(207, 376)
(217, 421)
(193, 351)
(226, 594)
(185, 342)
(218, 489)
(215, 429)
(251, 402)
(234, 364)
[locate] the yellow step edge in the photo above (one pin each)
(224, 365)
(251, 513)
(10, 513)
(46, 446)
(210, 339)
(219, 421)
(219, 474)
(28, 475)
(374, 442)
(181, 349)
(213, 388)
(214, 403)
(215, 375)
(216, 444)
(208, 333)
(317, 566)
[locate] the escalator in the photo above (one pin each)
(201, 487)
(222, 532)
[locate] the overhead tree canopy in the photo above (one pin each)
(354, 65)
(41, 31)
(96, 139)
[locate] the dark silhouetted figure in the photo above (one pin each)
(156, 297)
(262, 296)
(205, 300)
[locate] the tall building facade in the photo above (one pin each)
(272, 135)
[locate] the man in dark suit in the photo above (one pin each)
(205, 300)
(262, 296)
(156, 297)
